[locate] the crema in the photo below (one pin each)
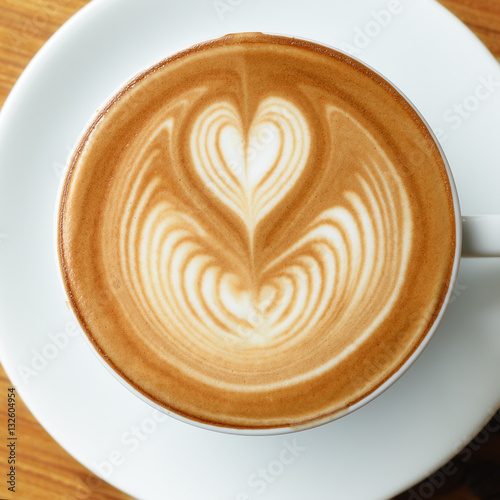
(256, 232)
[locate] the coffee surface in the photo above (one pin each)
(257, 232)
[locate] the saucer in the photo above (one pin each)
(374, 453)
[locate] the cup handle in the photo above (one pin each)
(481, 236)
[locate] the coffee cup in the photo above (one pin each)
(261, 234)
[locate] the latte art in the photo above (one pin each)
(239, 247)
(224, 295)
(250, 182)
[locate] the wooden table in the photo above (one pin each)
(46, 471)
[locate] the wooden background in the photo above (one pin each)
(46, 471)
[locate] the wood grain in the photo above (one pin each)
(482, 17)
(46, 471)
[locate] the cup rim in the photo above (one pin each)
(271, 431)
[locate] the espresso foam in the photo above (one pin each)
(257, 232)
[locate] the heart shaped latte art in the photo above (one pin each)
(250, 173)
(257, 232)
(205, 292)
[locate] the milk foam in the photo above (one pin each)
(248, 240)
(346, 257)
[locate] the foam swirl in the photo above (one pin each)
(243, 225)
(209, 298)
(250, 180)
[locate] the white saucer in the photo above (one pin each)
(378, 451)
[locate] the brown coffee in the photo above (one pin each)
(257, 232)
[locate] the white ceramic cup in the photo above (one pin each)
(476, 236)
